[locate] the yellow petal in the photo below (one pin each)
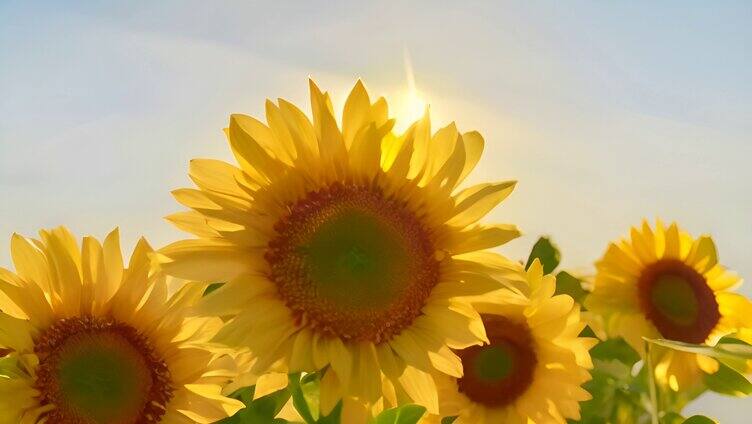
(192, 222)
(408, 348)
(366, 377)
(482, 237)
(234, 296)
(218, 176)
(331, 144)
(28, 298)
(707, 364)
(365, 152)
(301, 131)
(270, 383)
(448, 176)
(253, 158)
(475, 202)
(29, 261)
(356, 113)
(207, 260)
(459, 330)
(473, 150)
(329, 393)
(340, 359)
(421, 388)
(703, 255)
(282, 143)
(442, 146)
(15, 333)
(301, 358)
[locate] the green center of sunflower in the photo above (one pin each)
(494, 363)
(98, 371)
(677, 300)
(498, 373)
(353, 263)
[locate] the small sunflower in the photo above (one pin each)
(88, 341)
(533, 366)
(663, 283)
(347, 251)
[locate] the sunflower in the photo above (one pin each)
(89, 341)
(344, 251)
(533, 366)
(663, 283)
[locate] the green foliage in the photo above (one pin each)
(260, 411)
(727, 381)
(615, 349)
(305, 399)
(9, 367)
(672, 418)
(618, 395)
(212, 287)
(334, 417)
(305, 396)
(698, 419)
(732, 355)
(406, 414)
(732, 352)
(567, 283)
(448, 420)
(547, 253)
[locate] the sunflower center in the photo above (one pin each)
(677, 300)
(498, 373)
(352, 263)
(99, 371)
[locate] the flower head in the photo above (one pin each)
(89, 341)
(345, 250)
(533, 366)
(663, 283)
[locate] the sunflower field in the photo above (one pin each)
(340, 271)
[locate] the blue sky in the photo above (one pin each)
(606, 112)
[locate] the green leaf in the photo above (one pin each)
(720, 351)
(406, 414)
(567, 283)
(727, 381)
(260, 411)
(618, 396)
(615, 349)
(299, 398)
(732, 354)
(212, 287)
(448, 420)
(698, 419)
(548, 254)
(334, 417)
(672, 418)
(9, 367)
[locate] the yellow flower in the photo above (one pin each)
(90, 341)
(345, 250)
(533, 367)
(662, 283)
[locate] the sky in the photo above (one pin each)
(605, 112)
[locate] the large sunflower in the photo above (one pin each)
(343, 250)
(531, 370)
(88, 341)
(662, 283)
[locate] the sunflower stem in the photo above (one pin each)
(651, 384)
